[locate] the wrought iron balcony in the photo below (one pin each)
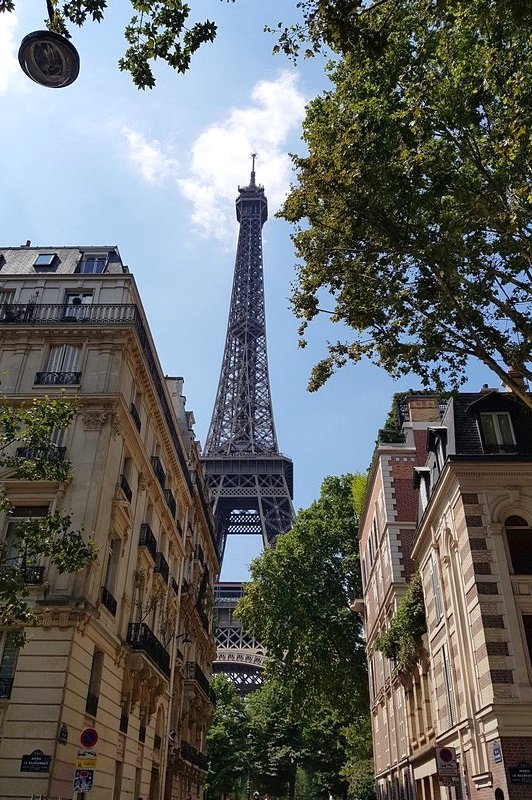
(6, 684)
(57, 378)
(51, 452)
(136, 417)
(46, 313)
(140, 637)
(170, 502)
(160, 474)
(108, 601)
(161, 567)
(126, 488)
(91, 705)
(193, 672)
(193, 756)
(147, 540)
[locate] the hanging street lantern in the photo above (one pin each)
(49, 59)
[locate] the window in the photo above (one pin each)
(8, 665)
(15, 555)
(75, 305)
(95, 679)
(436, 587)
(519, 539)
(497, 432)
(61, 365)
(448, 684)
(92, 263)
(422, 477)
(7, 298)
(111, 574)
(46, 262)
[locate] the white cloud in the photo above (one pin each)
(9, 66)
(220, 156)
(156, 166)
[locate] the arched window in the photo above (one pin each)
(519, 538)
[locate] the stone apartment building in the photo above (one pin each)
(471, 691)
(125, 647)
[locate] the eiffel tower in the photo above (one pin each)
(251, 482)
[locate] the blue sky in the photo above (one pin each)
(156, 173)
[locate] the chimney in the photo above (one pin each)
(28, 243)
(517, 377)
(424, 407)
(486, 388)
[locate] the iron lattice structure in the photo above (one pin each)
(251, 482)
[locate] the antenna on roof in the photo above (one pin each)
(253, 157)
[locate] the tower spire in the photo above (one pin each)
(252, 181)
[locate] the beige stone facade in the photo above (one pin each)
(125, 647)
(472, 691)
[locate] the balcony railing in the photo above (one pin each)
(51, 452)
(193, 756)
(45, 313)
(148, 540)
(136, 417)
(91, 706)
(126, 488)
(193, 672)
(6, 684)
(160, 474)
(161, 567)
(108, 601)
(140, 637)
(57, 378)
(170, 502)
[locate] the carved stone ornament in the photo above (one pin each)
(115, 426)
(94, 419)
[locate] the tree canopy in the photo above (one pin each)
(413, 209)
(227, 740)
(32, 539)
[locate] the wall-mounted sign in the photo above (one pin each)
(86, 759)
(88, 737)
(83, 780)
(521, 774)
(497, 751)
(62, 736)
(36, 761)
(446, 763)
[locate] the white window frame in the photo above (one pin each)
(499, 438)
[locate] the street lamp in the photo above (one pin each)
(49, 59)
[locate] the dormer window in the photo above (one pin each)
(93, 263)
(46, 262)
(496, 432)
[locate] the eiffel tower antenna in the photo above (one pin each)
(252, 483)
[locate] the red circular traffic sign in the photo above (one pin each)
(446, 754)
(88, 737)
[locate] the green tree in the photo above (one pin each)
(297, 603)
(31, 426)
(227, 744)
(414, 204)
